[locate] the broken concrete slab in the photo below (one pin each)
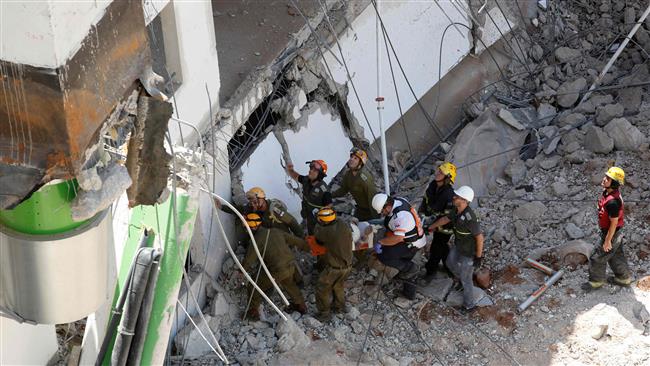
(291, 336)
(631, 99)
(569, 92)
(596, 140)
(437, 289)
(516, 170)
(189, 340)
(485, 136)
(626, 136)
(147, 161)
(566, 54)
(608, 112)
(567, 252)
(508, 118)
(529, 211)
(574, 231)
(86, 204)
(481, 298)
(550, 163)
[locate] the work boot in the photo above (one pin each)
(324, 317)
(341, 309)
(466, 311)
(591, 286)
(426, 279)
(457, 285)
(253, 314)
(623, 282)
(408, 274)
(301, 308)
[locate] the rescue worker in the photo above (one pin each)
(610, 221)
(436, 203)
(315, 193)
(273, 212)
(274, 245)
(336, 236)
(404, 234)
(361, 185)
(467, 251)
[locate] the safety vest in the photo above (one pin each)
(414, 234)
(603, 217)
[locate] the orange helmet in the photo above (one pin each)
(320, 165)
(359, 154)
(255, 192)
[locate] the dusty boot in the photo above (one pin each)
(301, 308)
(623, 282)
(410, 273)
(324, 317)
(253, 314)
(591, 286)
(341, 309)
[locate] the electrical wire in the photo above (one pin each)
(372, 316)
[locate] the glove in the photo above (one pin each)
(377, 248)
(477, 262)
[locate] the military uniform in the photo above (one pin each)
(437, 202)
(275, 216)
(279, 259)
(461, 256)
(362, 188)
(315, 195)
(336, 237)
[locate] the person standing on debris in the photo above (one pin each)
(361, 185)
(336, 237)
(610, 221)
(315, 193)
(437, 202)
(467, 251)
(404, 234)
(274, 245)
(273, 212)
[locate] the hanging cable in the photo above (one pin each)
(329, 71)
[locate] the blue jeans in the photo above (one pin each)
(463, 268)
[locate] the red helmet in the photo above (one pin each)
(319, 165)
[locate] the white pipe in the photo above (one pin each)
(225, 360)
(535, 264)
(241, 268)
(540, 291)
(380, 107)
(616, 54)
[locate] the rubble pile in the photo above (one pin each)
(537, 200)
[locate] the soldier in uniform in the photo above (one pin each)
(315, 193)
(272, 211)
(610, 222)
(335, 235)
(361, 185)
(274, 246)
(467, 252)
(436, 203)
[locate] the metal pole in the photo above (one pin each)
(540, 291)
(535, 264)
(380, 107)
(616, 54)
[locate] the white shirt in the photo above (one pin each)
(403, 222)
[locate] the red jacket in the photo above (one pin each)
(603, 217)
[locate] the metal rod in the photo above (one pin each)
(618, 53)
(380, 107)
(535, 264)
(523, 306)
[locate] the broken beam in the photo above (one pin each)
(523, 306)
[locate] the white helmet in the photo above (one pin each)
(463, 192)
(378, 201)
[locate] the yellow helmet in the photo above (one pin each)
(255, 192)
(448, 169)
(326, 215)
(616, 174)
(253, 220)
(359, 154)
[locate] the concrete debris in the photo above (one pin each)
(194, 346)
(291, 336)
(596, 140)
(530, 211)
(147, 161)
(566, 54)
(574, 231)
(86, 204)
(608, 112)
(437, 289)
(569, 92)
(626, 136)
(508, 118)
(516, 170)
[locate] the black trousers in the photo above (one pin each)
(398, 256)
(438, 252)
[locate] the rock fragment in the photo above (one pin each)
(569, 92)
(626, 136)
(596, 140)
(530, 211)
